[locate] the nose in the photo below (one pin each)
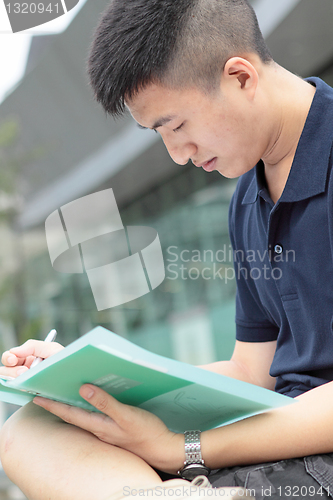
(180, 152)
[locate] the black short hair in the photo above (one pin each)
(179, 43)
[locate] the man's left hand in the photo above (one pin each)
(127, 427)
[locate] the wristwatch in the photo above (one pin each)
(194, 464)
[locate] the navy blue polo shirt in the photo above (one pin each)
(284, 257)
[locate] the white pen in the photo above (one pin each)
(49, 338)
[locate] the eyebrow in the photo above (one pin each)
(160, 122)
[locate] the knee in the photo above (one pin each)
(15, 438)
(7, 445)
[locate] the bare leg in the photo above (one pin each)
(49, 459)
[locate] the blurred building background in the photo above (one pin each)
(57, 144)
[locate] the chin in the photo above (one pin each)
(237, 171)
(231, 175)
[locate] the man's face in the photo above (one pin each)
(218, 131)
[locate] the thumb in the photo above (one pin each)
(101, 400)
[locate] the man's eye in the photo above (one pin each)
(178, 128)
(146, 128)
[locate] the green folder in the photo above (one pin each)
(183, 396)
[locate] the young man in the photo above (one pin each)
(199, 72)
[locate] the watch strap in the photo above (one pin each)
(192, 448)
(194, 464)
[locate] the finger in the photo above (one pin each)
(9, 359)
(14, 371)
(36, 348)
(72, 415)
(29, 360)
(102, 401)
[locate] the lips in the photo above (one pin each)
(208, 166)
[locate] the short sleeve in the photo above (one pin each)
(252, 321)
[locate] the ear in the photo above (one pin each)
(243, 73)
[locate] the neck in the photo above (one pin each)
(290, 103)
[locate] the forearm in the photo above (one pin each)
(229, 368)
(300, 429)
(250, 362)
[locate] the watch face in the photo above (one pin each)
(193, 470)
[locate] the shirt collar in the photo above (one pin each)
(308, 174)
(255, 186)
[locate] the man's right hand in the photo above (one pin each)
(19, 359)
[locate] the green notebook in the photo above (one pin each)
(182, 395)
